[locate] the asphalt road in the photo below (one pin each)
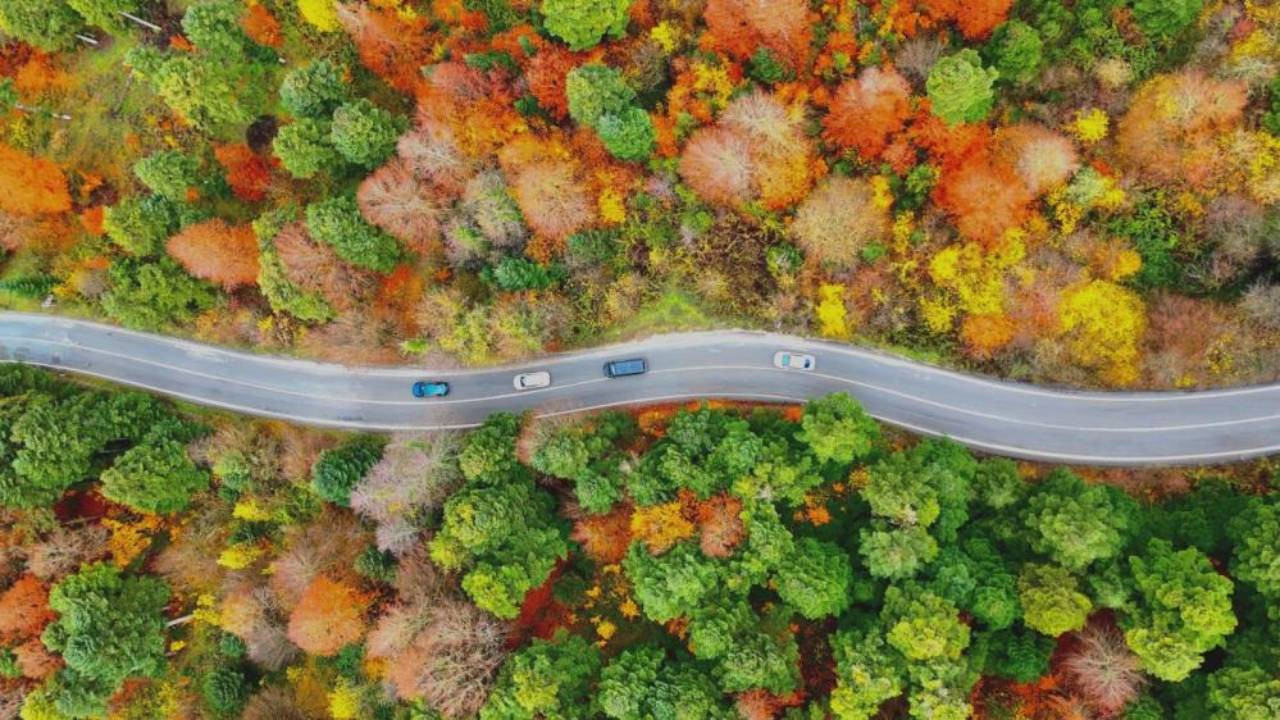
(1019, 420)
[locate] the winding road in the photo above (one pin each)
(1013, 419)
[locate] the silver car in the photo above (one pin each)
(794, 361)
(532, 380)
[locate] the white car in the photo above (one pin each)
(532, 380)
(794, 361)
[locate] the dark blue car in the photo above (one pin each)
(424, 389)
(623, 368)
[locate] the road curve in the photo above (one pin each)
(1018, 420)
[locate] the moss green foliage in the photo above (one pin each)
(1182, 611)
(110, 627)
(498, 529)
(364, 134)
(106, 14)
(584, 23)
(305, 147)
(960, 88)
(154, 295)
(224, 690)
(589, 457)
(546, 679)
(816, 579)
(46, 24)
(1243, 694)
(1018, 655)
(155, 477)
(1051, 600)
(1076, 524)
(213, 94)
(139, 225)
(600, 98)
(643, 682)
(277, 288)
(338, 470)
(1163, 19)
(1016, 52)
(314, 90)
(169, 173)
(837, 429)
(337, 222)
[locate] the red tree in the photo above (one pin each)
(984, 199)
(742, 27)
(217, 252)
(31, 185)
(248, 173)
(392, 46)
(975, 18)
(867, 110)
(394, 200)
(546, 76)
(554, 202)
(24, 610)
(315, 267)
(327, 618)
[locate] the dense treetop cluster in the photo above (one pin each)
(1081, 192)
(704, 562)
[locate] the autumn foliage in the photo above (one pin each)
(248, 173)
(31, 185)
(867, 110)
(329, 616)
(974, 18)
(215, 251)
(393, 199)
(24, 610)
(741, 27)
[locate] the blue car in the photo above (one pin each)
(424, 389)
(623, 368)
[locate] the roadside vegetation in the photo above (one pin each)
(702, 562)
(1073, 192)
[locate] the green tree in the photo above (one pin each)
(488, 454)
(1018, 655)
(584, 23)
(1182, 611)
(338, 470)
(154, 477)
(364, 133)
(213, 94)
(960, 88)
(106, 14)
(169, 173)
(1237, 693)
(924, 627)
(628, 134)
(315, 90)
(337, 223)
(213, 26)
(1016, 51)
(896, 553)
(47, 24)
(224, 690)
(868, 673)
(154, 295)
(1255, 555)
(976, 578)
(505, 539)
(996, 483)
(1076, 524)
(673, 584)
(110, 627)
(305, 147)
(546, 679)
(837, 429)
(587, 455)
(642, 683)
(1051, 601)
(816, 579)
(1164, 19)
(140, 225)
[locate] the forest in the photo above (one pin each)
(697, 562)
(1079, 192)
